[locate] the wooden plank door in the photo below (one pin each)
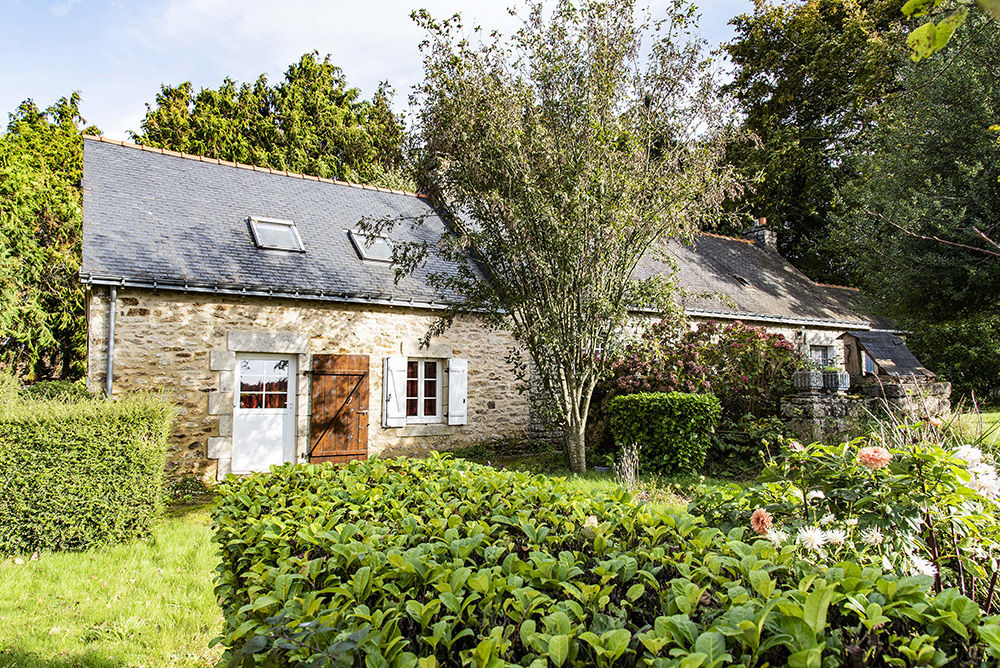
(339, 424)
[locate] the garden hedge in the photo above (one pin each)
(673, 430)
(445, 562)
(81, 473)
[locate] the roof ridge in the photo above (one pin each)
(834, 285)
(254, 168)
(722, 236)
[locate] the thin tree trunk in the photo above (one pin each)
(576, 443)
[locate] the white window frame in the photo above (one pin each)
(360, 241)
(299, 248)
(829, 358)
(421, 417)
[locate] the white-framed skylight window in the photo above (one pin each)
(275, 234)
(370, 247)
(742, 281)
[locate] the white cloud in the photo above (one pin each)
(63, 7)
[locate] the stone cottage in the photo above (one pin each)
(251, 297)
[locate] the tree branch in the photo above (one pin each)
(939, 240)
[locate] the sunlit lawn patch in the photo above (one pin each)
(146, 603)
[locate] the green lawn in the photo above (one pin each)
(148, 603)
(984, 426)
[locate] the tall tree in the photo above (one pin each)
(42, 329)
(563, 154)
(806, 77)
(922, 211)
(310, 122)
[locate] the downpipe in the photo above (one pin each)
(110, 368)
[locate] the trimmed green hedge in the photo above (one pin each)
(672, 429)
(78, 474)
(442, 562)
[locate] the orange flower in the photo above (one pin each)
(761, 522)
(874, 457)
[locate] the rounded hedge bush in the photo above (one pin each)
(443, 562)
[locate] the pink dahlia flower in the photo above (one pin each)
(761, 522)
(874, 457)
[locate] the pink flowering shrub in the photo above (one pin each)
(746, 367)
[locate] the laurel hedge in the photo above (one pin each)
(442, 562)
(75, 474)
(672, 430)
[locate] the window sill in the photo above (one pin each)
(426, 430)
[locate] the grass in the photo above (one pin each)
(984, 427)
(148, 603)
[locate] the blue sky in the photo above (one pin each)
(116, 53)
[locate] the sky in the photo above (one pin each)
(117, 53)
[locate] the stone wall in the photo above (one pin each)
(830, 416)
(185, 344)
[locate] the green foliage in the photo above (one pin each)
(62, 390)
(928, 179)
(312, 122)
(673, 430)
(946, 17)
(807, 76)
(442, 562)
(903, 499)
(78, 474)
(965, 351)
(42, 328)
(564, 153)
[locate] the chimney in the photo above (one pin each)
(762, 236)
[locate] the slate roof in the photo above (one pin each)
(890, 353)
(161, 219)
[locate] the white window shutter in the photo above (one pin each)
(394, 391)
(458, 383)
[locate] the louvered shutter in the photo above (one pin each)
(394, 391)
(458, 383)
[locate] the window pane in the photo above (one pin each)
(250, 401)
(277, 368)
(277, 385)
(252, 384)
(252, 367)
(276, 235)
(430, 387)
(411, 407)
(430, 369)
(430, 407)
(275, 400)
(412, 369)
(411, 389)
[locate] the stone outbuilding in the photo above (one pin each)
(252, 298)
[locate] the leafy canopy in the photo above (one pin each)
(563, 154)
(311, 122)
(42, 328)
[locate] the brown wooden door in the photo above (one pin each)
(339, 425)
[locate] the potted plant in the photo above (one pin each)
(836, 379)
(808, 380)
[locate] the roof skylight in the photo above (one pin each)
(742, 281)
(370, 247)
(274, 234)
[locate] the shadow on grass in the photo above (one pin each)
(194, 506)
(13, 658)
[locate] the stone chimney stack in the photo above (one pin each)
(762, 236)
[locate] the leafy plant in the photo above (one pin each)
(672, 430)
(82, 473)
(898, 499)
(441, 562)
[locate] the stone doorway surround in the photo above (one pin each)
(222, 399)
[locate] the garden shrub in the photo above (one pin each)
(63, 390)
(79, 474)
(672, 430)
(903, 499)
(445, 562)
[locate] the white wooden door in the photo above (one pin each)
(264, 412)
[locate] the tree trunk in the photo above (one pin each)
(576, 443)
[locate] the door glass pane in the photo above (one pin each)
(277, 385)
(250, 400)
(276, 400)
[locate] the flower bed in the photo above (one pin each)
(900, 500)
(444, 562)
